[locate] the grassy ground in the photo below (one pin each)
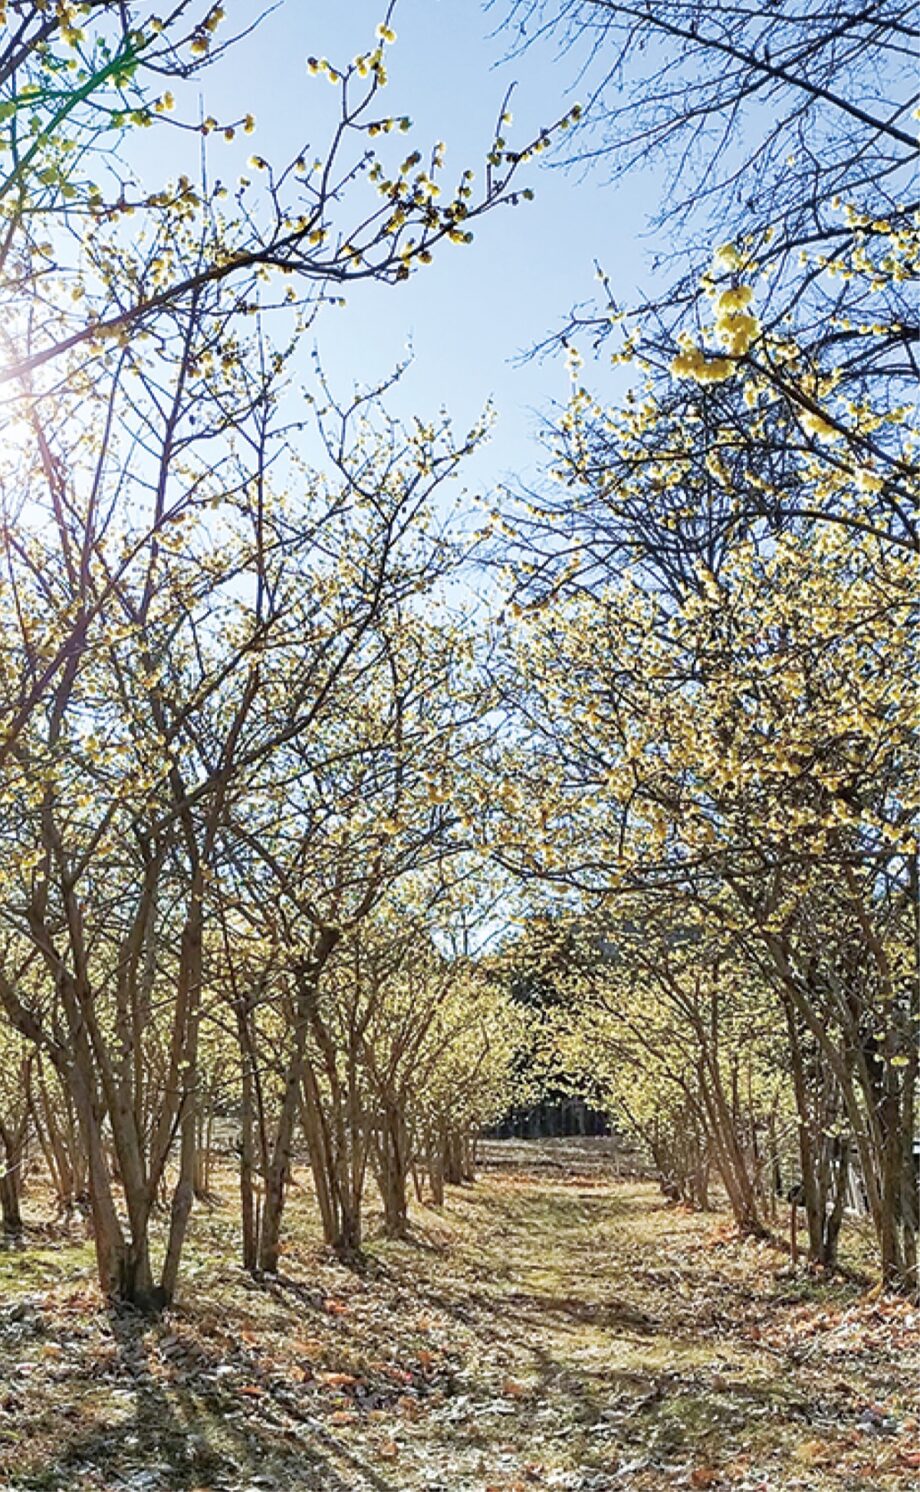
(555, 1327)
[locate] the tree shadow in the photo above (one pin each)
(165, 1420)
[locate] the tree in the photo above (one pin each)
(249, 700)
(765, 421)
(347, 815)
(735, 748)
(764, 123)
(102, 275)
(662, 1018)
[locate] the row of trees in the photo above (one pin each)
(716, 619)
(232, 689)
(244, 762)
(738, 753)
(388, 1074)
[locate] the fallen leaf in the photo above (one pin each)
(704, 1476)
(312, 1347)
(814, 1452)
(337, 1380)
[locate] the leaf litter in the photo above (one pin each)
(555, 1327)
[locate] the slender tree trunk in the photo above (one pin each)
(279, 1169)
(394, 1160)
(435, 1162)
(250, 1241)
(188, 1003)
(11, 1163)
(317, 1139)
(453, 1158)
(910, 1174)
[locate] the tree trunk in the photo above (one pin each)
(435, 1163)
(317, 1139)
(279, 1171)
(10, 1197)
(187, 1019)
(453, 1158)
(394, 1162)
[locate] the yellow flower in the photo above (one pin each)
(736, 299)
(727, 256)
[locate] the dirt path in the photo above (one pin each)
(554, 1328)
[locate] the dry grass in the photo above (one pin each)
(555, 1327)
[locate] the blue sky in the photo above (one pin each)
(476, 309)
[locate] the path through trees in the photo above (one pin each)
(555, 1327)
